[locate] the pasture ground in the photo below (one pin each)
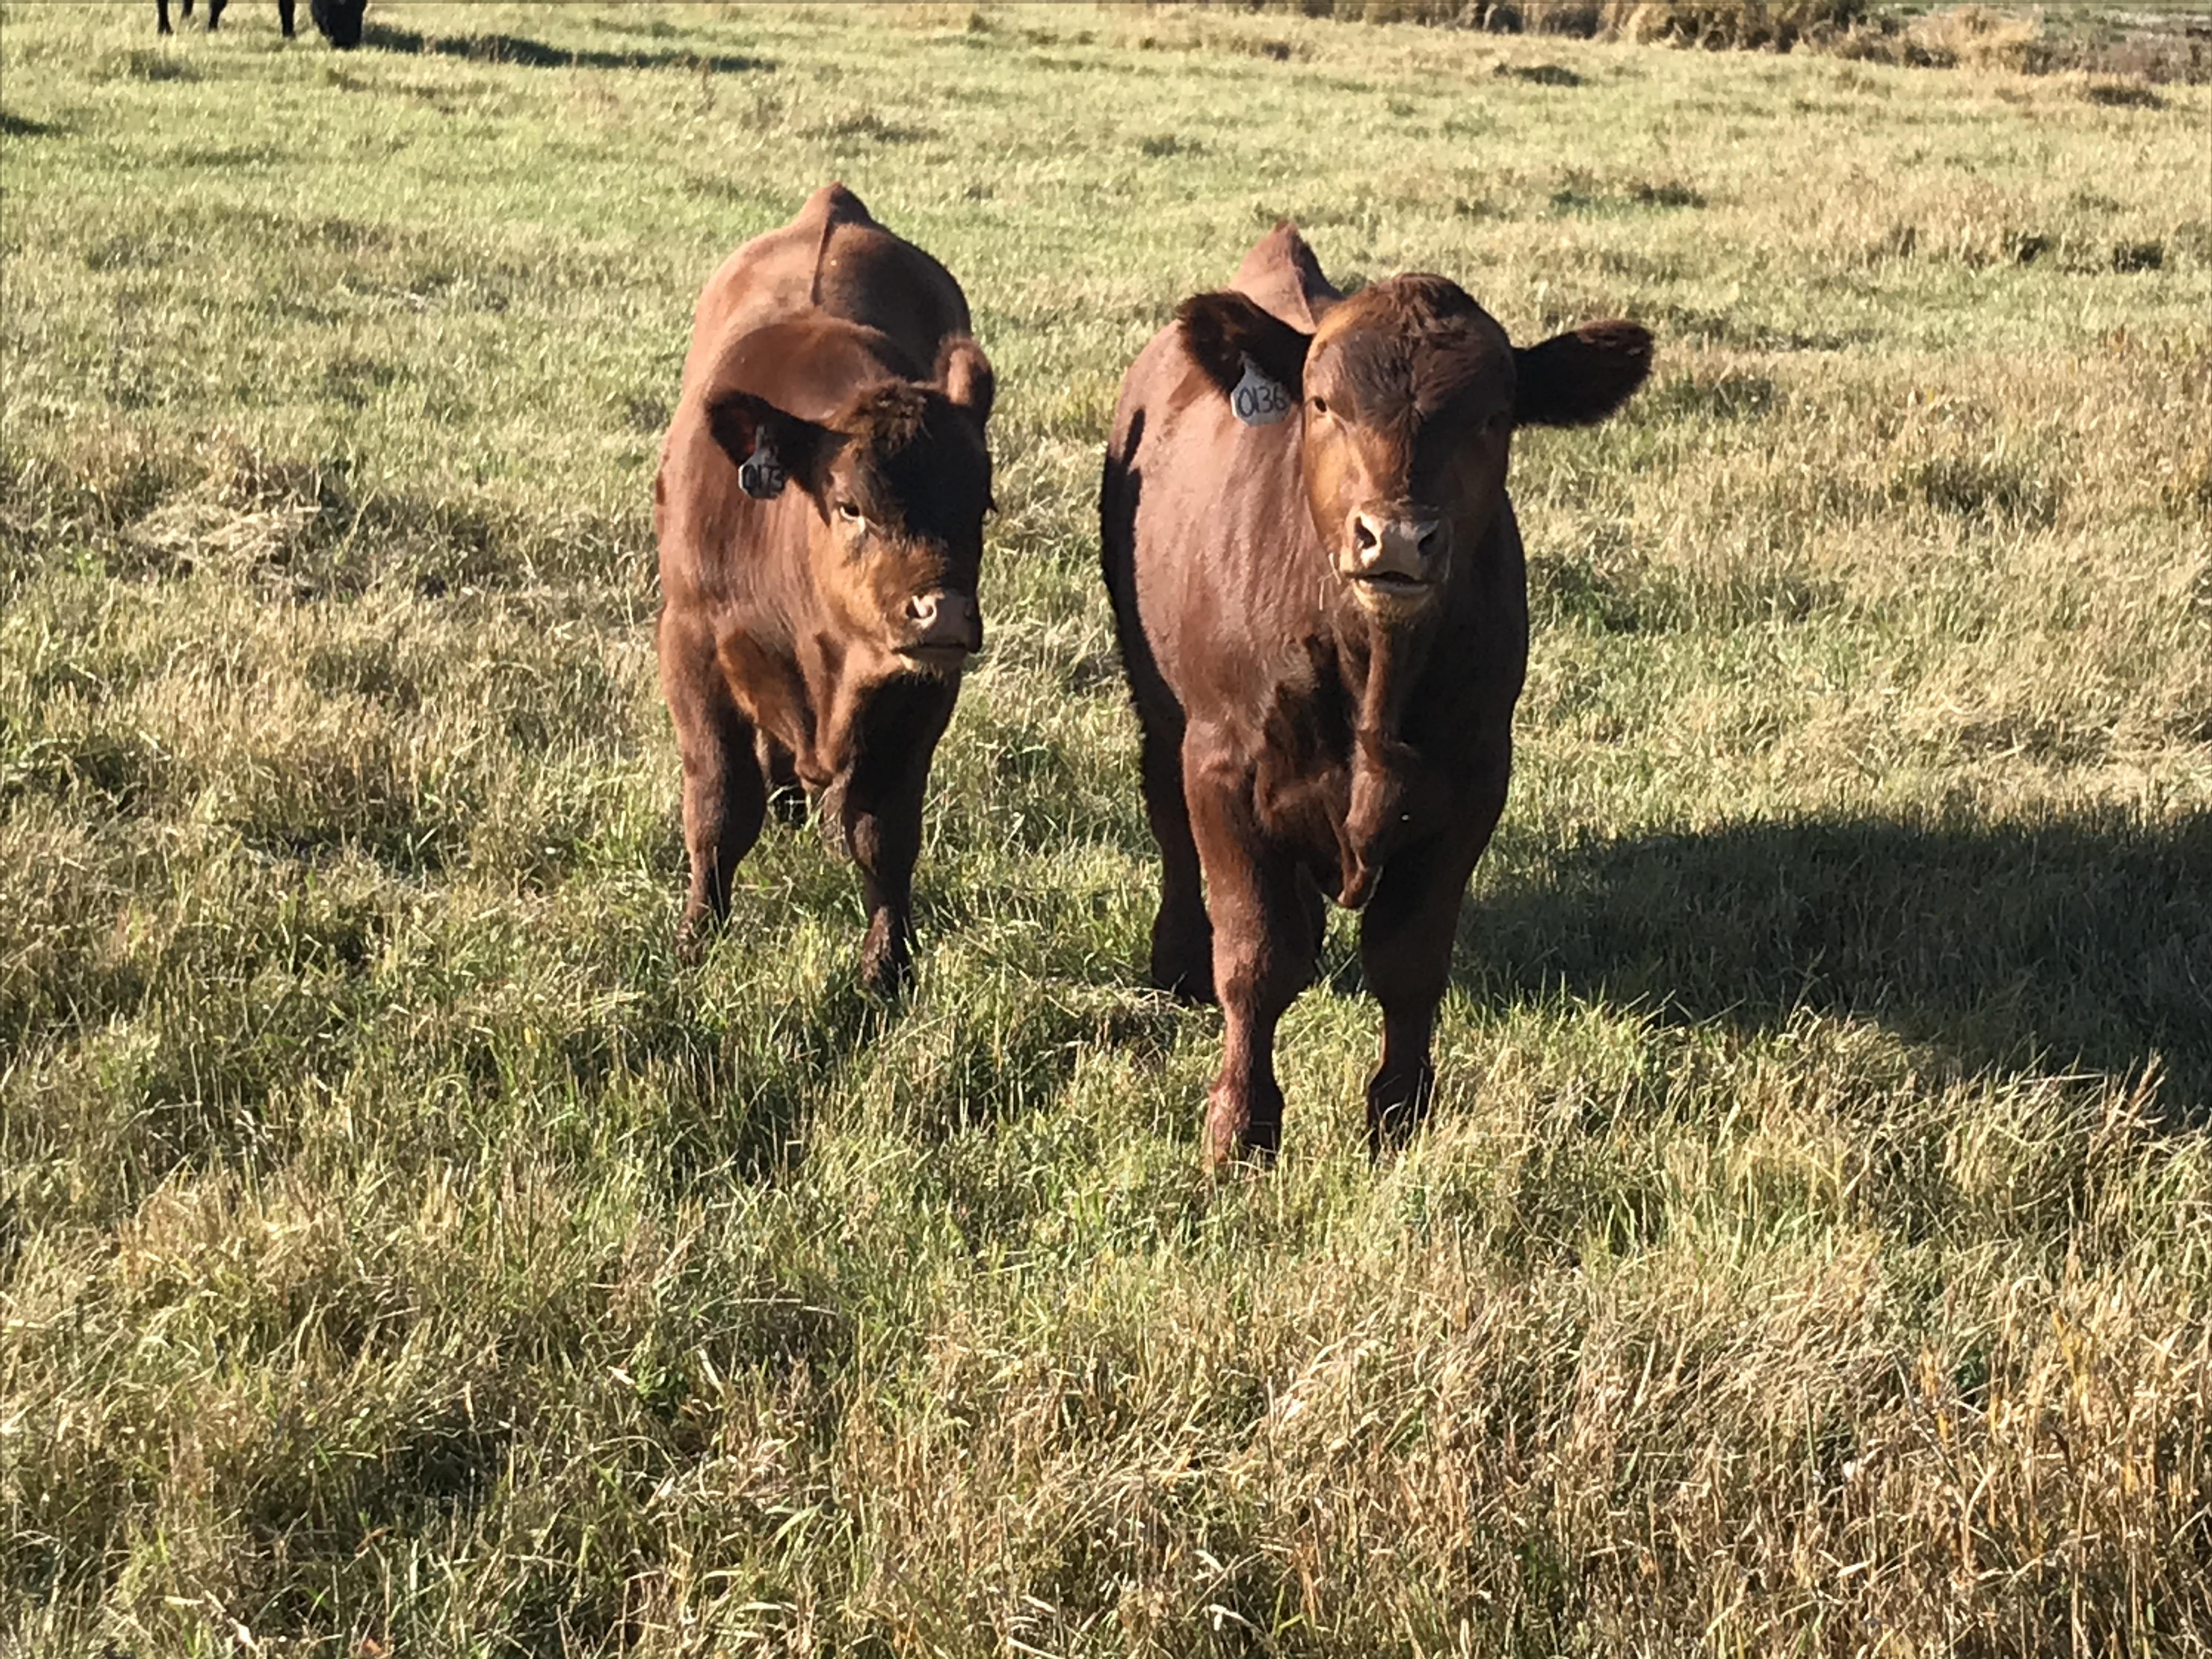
(402, 1252)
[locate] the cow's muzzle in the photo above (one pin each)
(942, 629)
(1395, 562)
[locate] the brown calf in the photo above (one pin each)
(820, 508)
(1318, 590)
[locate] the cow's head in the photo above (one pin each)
(898, 476)
(339, 20)
(1404, 402)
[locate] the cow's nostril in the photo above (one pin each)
(922, 608)
(1425, 539)
(1364, 537)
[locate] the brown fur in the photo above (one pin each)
(816, 638)
(1324, 624)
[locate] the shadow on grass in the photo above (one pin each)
(21, 126)
(738, 1109)
(536, 54)
(2080, 943)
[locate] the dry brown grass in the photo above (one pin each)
(403, 1252)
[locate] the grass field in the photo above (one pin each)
(403, 1252)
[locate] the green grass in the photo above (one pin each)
(403, 1252)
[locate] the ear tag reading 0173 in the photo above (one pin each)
(762, 477)
(1258, 400)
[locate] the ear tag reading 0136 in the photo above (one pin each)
(1258, 400)
(762, 477)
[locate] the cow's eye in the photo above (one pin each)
(848, 512)
(1321, 405)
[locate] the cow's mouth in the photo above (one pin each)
(1391, 592)
(934, 658)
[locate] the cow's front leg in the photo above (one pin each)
(1263, 956)
(215, 13)
(882, 821)
(1404, 953)
(285, 14)
(878, 806)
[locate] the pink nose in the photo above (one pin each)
(1389, 546)
(943, 621)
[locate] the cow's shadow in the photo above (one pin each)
(2083, 943)
(536, 54)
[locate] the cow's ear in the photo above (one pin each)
(964, 373)
(1573, 380)
(769, 446)
(1225, 332)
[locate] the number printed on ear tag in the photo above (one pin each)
(762, 477)
(1258, 400)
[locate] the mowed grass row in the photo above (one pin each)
(403, 1252)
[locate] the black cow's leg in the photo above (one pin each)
(284, 13)
(215, 13)
(1263, 954)
(723, 801)
(161, 16)
(1405, 954)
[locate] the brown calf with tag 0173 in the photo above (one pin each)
(1318, 590)
(820, 508)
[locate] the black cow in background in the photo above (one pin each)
(338, 20)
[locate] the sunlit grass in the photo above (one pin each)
(402, 1250)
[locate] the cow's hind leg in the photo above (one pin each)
(285, 12)
(1405, 954)
(723, 800)
(215, 13)
(162, 17)
(1182, 940)
(1182, 937)
(1263, 957)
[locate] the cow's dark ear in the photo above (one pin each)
(964, 373)
(1573, 380)
(769, 446)
(1220, 330)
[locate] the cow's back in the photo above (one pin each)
(832, 258)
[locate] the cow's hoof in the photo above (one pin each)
(885, 967)
(1397, 1105)
(693, 936)
(1191, 986)
(1184, 973)
(1236, 1135)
